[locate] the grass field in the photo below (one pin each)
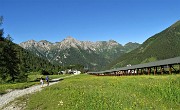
(85, 92)
(32, 80)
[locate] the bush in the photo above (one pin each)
(44, 72)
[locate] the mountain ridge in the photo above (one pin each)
(70, 49)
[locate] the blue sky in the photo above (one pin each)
(87, 20)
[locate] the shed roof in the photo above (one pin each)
(165, 62)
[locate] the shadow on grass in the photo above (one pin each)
(56, 80)
(53, 80)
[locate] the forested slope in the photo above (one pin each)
(163, 45)
(16, 62)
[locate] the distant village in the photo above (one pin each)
(70, 71)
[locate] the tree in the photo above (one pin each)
(12, 61)
(2, 55)
(23, 67)
(9, 61)
(3, 61)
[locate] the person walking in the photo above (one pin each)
(47, 80)
(42, 82)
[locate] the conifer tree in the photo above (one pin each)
(8, 57)
(2, 55)
(12, 60)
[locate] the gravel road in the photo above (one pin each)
(6, 98)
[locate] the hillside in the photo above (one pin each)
(16, 62)
(94, 55)
(33, 62)
(160, 46)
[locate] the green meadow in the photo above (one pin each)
(32, 80)
(86, 92)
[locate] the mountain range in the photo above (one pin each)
(94, 55)
(109, 54)
(163, 45)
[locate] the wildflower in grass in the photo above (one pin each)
(60, 102)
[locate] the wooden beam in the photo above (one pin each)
(162, 69)
(149, 71)
(155, 70)
(143, 71)
(123, 73)
(134, 71)
(170, 69)
(139, 71)
(174, 69)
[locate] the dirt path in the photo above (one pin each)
(6, 98)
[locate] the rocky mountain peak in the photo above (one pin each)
(69, 42)
(31, 41)
(44, 41)
(113, 42)
(28, 43)
(70, 39)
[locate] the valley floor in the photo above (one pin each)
(89, 92)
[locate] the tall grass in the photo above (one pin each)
(86, 92)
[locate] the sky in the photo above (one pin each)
(87, 20)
